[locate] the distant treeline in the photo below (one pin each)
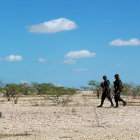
(14, 91)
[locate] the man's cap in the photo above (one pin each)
(116, 75)
(104, 76)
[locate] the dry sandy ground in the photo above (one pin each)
(80, 120)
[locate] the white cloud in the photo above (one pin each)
(120, 42)
(80, 54)
(69, 61)
(42, 60)
(80, 70)
(22, 81)
(53, 26)
(13, 58)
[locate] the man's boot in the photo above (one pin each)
(124, 103)
(116, 104)
(101, 104)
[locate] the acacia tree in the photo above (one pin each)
(95, 86)
(12, 91)
(127, 88)
(57, 92)
(1, 86)
(135, 91)
(64, 93)
(69, 92)
(37, 87)
(25, 88)
(43, 88)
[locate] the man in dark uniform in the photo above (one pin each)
(117, 90)
(106, 92)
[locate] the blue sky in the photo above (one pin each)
(69, 42)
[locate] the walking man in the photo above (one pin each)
(106, 92)
(117, 90)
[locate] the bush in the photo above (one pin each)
(12, 91)
(95, 86)
(43, 88)
(25, 88)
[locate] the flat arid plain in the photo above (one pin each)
(38, 118)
